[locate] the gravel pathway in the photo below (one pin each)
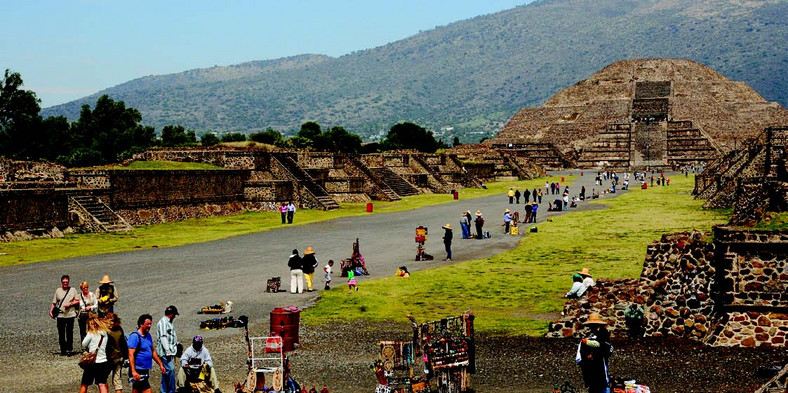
(232, 269)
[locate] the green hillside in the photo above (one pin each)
(472, 75)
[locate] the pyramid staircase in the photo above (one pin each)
(611, 148)
(399, 185)
(104, 218)
(687, 144)
(319, 193)
(434, 178)
(380, 189)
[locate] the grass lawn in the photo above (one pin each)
(508, 292)
(215, 228)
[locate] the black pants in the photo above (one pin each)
(478, 231)
(290, 217)
(65, 334)
(284, 215)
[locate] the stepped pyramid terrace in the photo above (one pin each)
(641, 113)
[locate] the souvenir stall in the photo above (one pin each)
(439, 358)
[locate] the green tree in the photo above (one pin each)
(456, 142)
(19, 118)
(269, 136)
(209, 139)
(309, 130)
(341, 141)
(112, 131)
(410, 136)
(177, 136)
(233, 137)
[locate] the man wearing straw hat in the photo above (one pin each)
(448, 235)
(479, 223)
(107, 295)
(593, 354)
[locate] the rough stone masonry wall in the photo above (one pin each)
(673, 289)
(160, 215)
(16, 171)
(732, 292)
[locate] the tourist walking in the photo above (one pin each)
(88, 304)
(283, 212)
(511, 195)
(291, 209)
(539, 195)
(95, 341)
(64, 310)
(534, 208)
(296, 274)
(448, 235)
(117, 351)
(142, 354)
(167, 348)
(593, 355)
(107, 295)
(308, 265)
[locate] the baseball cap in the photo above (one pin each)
(171, 310)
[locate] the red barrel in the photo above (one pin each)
(285, 322)
(456, 195)
(369, 207)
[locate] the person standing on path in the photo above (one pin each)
(64, 310)
(479, 222)
(283, 212)
(142, 354)
(517, 196)
(448, 235)
(167, 348)
(95, 341)
(507, 220)
(593, 355)
(526, 196)
(107, 295)
(291, 209)
(511, 195)
(88, 303)
(534, 208)
(296, 274)
(327, 270)
(117, 351)
(308, 265)
(465, 225)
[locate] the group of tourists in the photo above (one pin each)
(514, 195)
(468, 221)
(287, 210)
(107, 349)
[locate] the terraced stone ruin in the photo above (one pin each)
(43, 200)
(641, 113)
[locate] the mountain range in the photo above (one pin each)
(467, 78)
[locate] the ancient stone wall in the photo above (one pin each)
(173, 213)
(20, 171)
(729, 292)
(132, 189)
(93, 179)
(35, 209)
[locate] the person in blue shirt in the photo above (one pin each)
(142, 354)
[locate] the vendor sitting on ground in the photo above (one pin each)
(197, 372)
(578, 288)
(403, 272)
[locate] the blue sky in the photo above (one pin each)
(66, 49)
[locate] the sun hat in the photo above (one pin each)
(447, 226)
(309, 250)
(478, 212)
(585, 272)
(594, 319)
(105, 280)
(508, 211)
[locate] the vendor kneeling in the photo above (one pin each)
(197, 370)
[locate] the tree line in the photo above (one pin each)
(111, 132)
